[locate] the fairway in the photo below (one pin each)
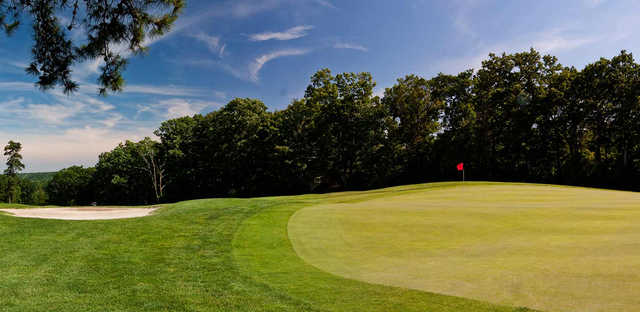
(441, 247)
(551, 248)
(202, 255)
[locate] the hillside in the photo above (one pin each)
(38, 176)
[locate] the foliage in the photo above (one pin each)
(234, 149)
(17, 190)
(40, 177)
(114, 29)
(14, 160)
(520, 117)
(352, 129)
(121, 176)
(71, 186)
(12, 183)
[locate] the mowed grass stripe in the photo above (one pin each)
(263, 251)
(204, 255)
(548, 247)
(179, 259)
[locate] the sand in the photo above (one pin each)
(81, 213)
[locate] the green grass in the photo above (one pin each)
(17, 206)
(547, 247)
(205, 255)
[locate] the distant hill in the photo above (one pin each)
(38, 176)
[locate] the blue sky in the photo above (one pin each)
(268, 49)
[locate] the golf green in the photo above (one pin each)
(551, 248)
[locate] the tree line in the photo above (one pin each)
(520, 117)
(13, 188)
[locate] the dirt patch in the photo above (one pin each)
(81, 213)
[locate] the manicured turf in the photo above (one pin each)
(205, 255)
(547, 247)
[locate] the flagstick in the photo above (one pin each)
(463, 175)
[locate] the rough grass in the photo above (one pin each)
(17, 206)
(205, 255)
(547, 247)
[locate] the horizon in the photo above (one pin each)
(269, 49)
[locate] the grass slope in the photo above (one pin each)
(17, 206)
(205, 255)
(549, 247)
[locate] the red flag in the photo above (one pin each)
(460, 166)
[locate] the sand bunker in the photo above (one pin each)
(81, 213)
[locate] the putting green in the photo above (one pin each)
(546, 247)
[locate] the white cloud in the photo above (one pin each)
(220, 94)
(177, 107)
(325, 3)
(13, 67)
(46, 151)
(289, 34)
(221, 52)
(546, 42)
(59, 109)
(379, 92)
(112, 121)
(245, 8)
(462, 17)
(17, 86)
(258, 63)
(351, 46)
(593, 3)
(19, 109)
(212, 42)
(51, 114)
(165, 90)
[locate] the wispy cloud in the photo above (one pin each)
(550, 41)
(74, 146)
(181, 107)
(463, 17)
(213, 43)
(92, 67)
(379, 92)
(325, 3)
(52, 114)
(259, 62)
(561, 43)
(166, 90)
(46, 114)
(289, 34)
(593, 3)
(245, 8)
(17, 86)
(112, 120)
(351, 46)
(221, 51)
(177, 107)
